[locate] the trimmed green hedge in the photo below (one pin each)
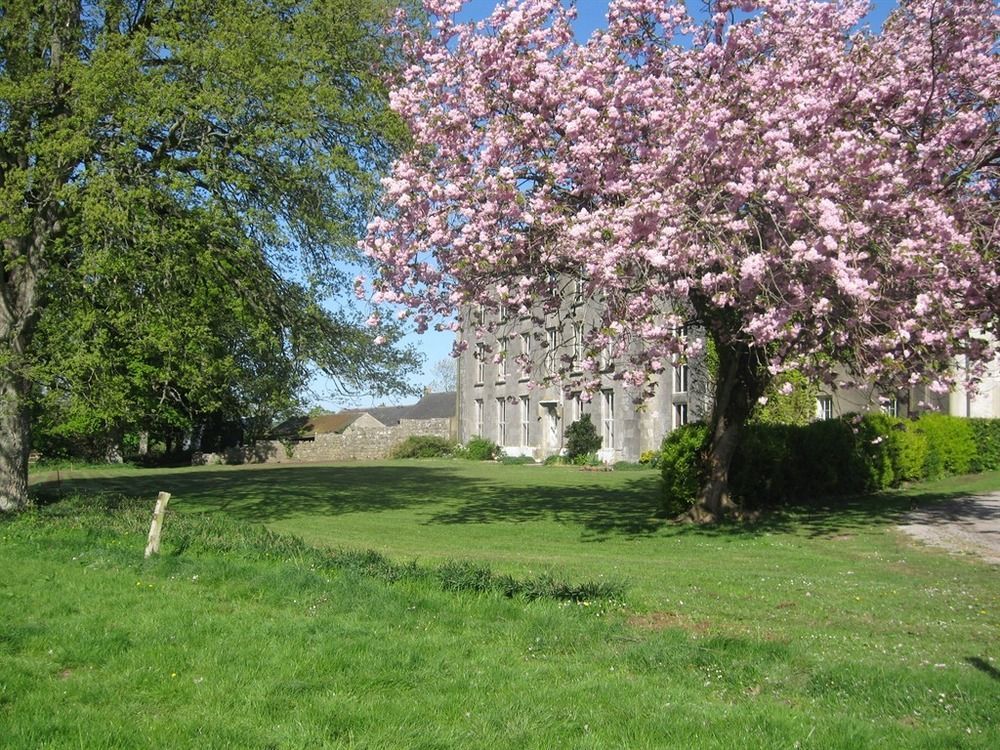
(681, 467)
(786, 463)
(986, 438)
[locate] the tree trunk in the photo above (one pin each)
(15, 427)
(113, 453)
(741, 381)
(18, 316)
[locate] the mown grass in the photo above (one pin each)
(819, 627)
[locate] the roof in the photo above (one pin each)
(387, 415)
(432, 406)
(323, 424)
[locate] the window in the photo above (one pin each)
(890, 406)
(577, 346)
(480, 363)
(526, 365)
(608, 418)
(501, 421)
(680, 378)
(680, 415)
(502, 361)
(605, 361)
(552, 341)
(525, 344)
(578, 291)
(477, 417)
(525, 421)
(574, 408)
(824, 407)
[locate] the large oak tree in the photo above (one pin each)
(245, 134)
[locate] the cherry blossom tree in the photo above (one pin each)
(781, 181)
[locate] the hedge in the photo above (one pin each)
(853, 455)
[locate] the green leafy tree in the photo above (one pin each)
(151, 149)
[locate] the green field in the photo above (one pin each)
(820, 628)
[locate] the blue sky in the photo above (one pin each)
(591, 14)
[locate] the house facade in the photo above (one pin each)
(505, 391)
(499, 396)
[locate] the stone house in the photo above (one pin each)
(350, 435)
(498, 400)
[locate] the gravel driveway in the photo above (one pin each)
(970, 525)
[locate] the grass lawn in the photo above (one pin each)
(818, 629)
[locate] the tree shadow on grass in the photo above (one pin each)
(603, 506)
(449, 496)
(266, 494)
(833, 517)
(630, 508)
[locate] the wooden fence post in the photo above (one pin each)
(153, 547)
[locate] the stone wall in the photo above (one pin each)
(361, 441)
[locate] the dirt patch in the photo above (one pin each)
(664, 620)
(969, 526)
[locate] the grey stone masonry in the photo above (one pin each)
(499, 397)
(364, 440)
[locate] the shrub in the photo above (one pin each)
(582, 438)
(760, 468)
(482, 449)
(586, 459)
(986, 437)
(787, 463)
(878, 450)
(650, 458)
(950, 444)
(423, 446)
(682, 467)
(911, 458)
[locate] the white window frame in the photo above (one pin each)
(478, 418)
(480, 356)
(681, 415)
(681, 378)
(890, 406)
(525, 420)
(552, 341)
(577, 346)
(502, 364)
(501, 421)
(608, 418)
(824, 407)
(575, 408)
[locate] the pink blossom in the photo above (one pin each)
(794, 184)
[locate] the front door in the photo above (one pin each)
(551, 437)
